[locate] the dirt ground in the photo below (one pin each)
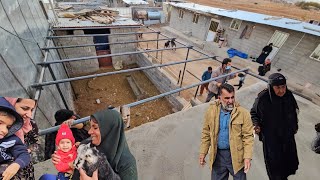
(264, 7)
(115, 91)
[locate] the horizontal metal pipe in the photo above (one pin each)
(115, 72)
(95, 35)
(108, 55)
(55, 128)
(193, 75)
(101, 44)
(181, 89)
(82, 120)
(96, 27)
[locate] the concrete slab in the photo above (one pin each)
(171, 149)
(168, 148)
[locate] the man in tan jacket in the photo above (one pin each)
(228, 133)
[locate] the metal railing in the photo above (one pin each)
(82, 120)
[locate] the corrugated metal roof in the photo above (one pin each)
(135, 2)
(254, 17)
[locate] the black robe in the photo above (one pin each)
(277, 118)
(264, 54)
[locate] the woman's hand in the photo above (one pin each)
(83, 175)
(55, 158)
(11, 170)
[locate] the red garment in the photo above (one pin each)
(64, 133)
(66, 158)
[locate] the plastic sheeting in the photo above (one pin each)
(233, 52)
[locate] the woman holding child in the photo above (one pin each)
(28, 133)
(107, 134)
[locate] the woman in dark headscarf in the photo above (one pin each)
(275, 117)
(265, 53)
(107, 134)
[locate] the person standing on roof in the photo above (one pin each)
(264, 54)
(205, 76)
(228, 134)
(275, 118)
(213, 86)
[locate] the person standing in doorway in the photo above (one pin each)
(275, 119)
(213, 86)
(228, 133)
(264, 54)
(205, 76)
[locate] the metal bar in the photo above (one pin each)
(112, 73)
(195, 95)
(184, 68)
(58, 87)
(41, 76)
(108, 55)
(158, 44)
(82, 120)
(179, 77)
(55, 128)
(100, 44)
(193, 75)
(95, 35)
(181, 89)
(96, 27)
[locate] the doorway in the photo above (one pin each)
(277, 40)
(213, 28)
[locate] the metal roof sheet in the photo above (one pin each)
(281, 22)
(135, 2)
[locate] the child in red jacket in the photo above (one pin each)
(67, 150)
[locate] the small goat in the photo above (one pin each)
(90, 159)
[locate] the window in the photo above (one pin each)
(235, 24)
(316, 54)
(195, 18)
(181, 12)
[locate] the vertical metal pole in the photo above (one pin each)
(195, 95)
(58, 87)
(179, 77)
(161, 58)
(184, 68)
(157, 44)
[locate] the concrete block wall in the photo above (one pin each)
(78, 67)
(122, 48)
(162, 80)
(185, 25)
(19, 58)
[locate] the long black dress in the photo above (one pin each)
(277, 117)
(264, 54)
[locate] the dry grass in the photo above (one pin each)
(265, 7)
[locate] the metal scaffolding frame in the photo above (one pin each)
(55, 128)
(108, 55)
(46, 64)
(96, 35)
(101, 44)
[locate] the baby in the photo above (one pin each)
(13, 153)
(67, 150)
